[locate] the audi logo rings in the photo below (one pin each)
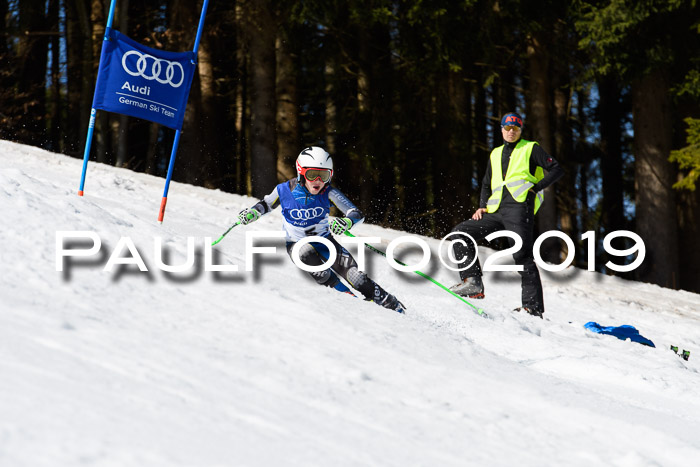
(156, 68)
(306, 214)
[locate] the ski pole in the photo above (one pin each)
(225, 233)
(479, 311)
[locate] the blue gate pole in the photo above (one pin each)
(176, 141)
(93, 111)
(163, 201)
(88, 143)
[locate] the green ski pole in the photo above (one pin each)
(479, 311)
(225, 233)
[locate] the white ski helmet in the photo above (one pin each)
(314, 157)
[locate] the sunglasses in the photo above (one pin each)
(511, 127)
(312, 174)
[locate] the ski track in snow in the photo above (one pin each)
(266, 368)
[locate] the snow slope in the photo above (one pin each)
(266, 368)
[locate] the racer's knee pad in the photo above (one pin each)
(357, 278)
(325, 277)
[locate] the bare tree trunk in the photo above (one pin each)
(582, 104)
(417, 215)
(564, 152)
(449, 157)
(55, 112)
(120, 123)
(79, 75)
(151, 153)
(210, 120)
(539, 122)
(288, 132)
(242, 157)
(331, 108)
(508, 89)
(654, 175)
(374, 104)
(482, 146)
(688, 207)
(259, 26)
(32, 51)
(341, 122)
(4, 40)
(460, 146)
(190, 159)
(610, 115)
(98, 21)
(498, 108)
(444, 182)
(364, 112)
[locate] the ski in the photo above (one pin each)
(477, 310)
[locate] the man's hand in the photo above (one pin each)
(479, 214)
(340, 225)
(248, 215)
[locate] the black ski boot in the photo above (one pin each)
(529, 311)
(393, 303)
(472, 287)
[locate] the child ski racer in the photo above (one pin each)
(306, 203)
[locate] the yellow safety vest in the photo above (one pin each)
(518, 177)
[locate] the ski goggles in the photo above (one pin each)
(312, 174)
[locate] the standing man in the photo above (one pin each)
(511, 194)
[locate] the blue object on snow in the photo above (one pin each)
(623, 332)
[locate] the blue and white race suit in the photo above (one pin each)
(306, 215)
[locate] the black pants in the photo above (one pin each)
(520, 219)
(345, 266)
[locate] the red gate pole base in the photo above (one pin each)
(161, 213)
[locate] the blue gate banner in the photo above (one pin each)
(143, 82)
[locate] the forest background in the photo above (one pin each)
(406, 96)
